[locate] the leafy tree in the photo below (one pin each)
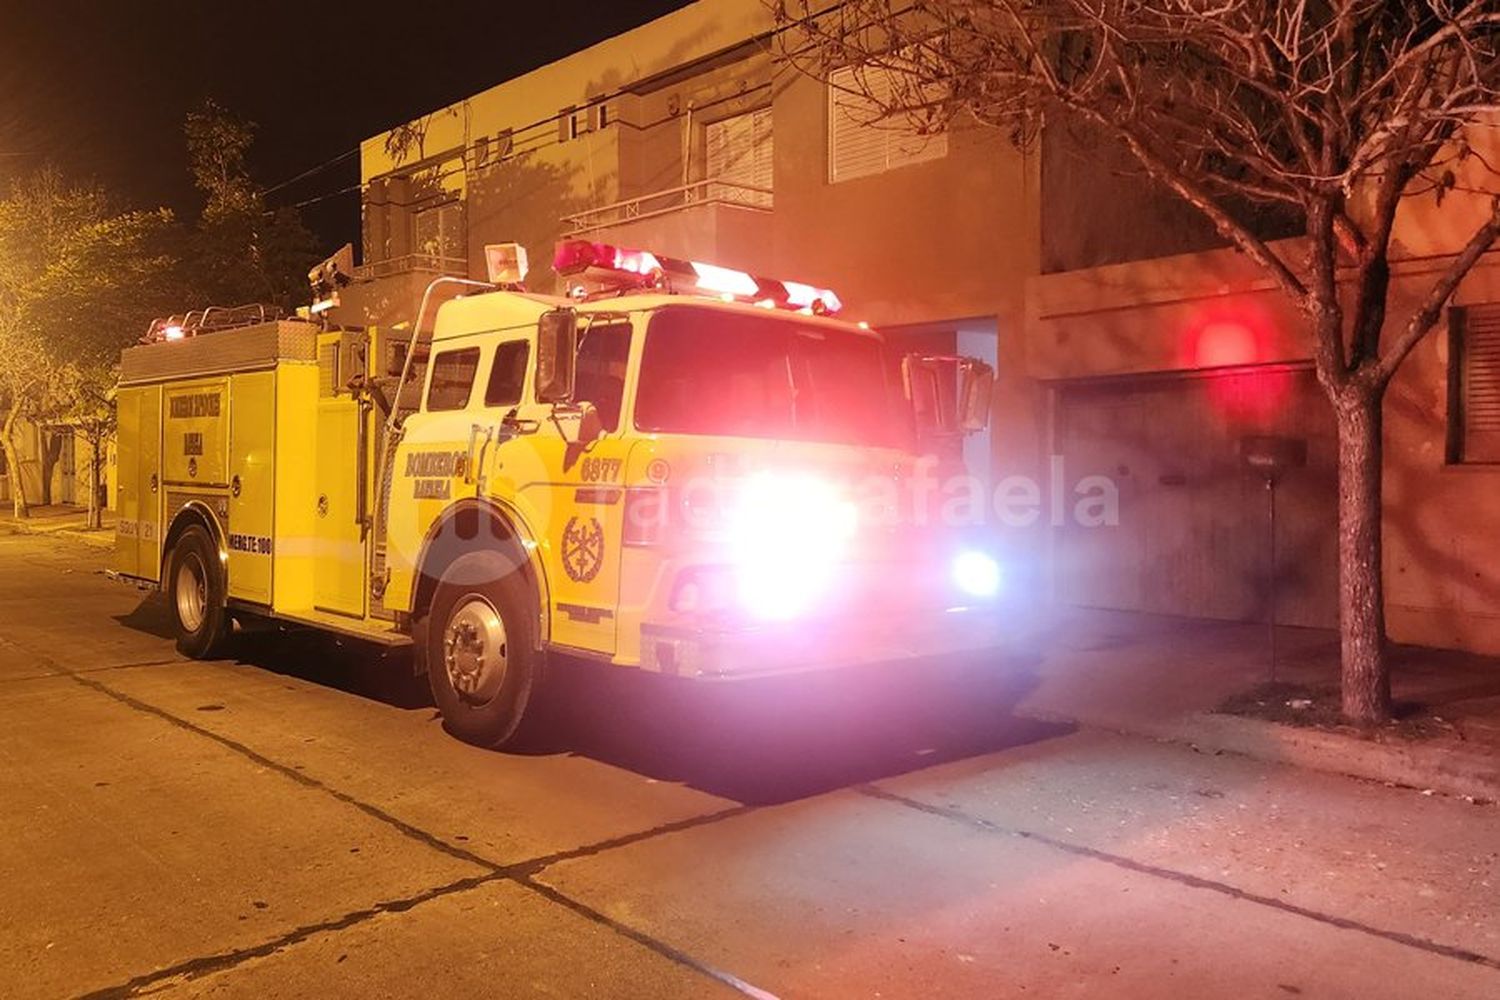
(242, 251)
(1337, 111)
(78, 281)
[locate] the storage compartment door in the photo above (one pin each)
(252, 485)
(339, 546)
(135, 533)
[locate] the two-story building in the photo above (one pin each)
(1126, 345)
(690, 137)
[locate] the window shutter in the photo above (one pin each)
(858, 144)
(1479, 383)
(439, 231)
(740, 150)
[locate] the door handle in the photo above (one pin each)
(469, 458)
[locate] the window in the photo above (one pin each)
(740, 153)
(439, 231)
(452, 378)
(1474, 384)
(706, 372)
(507, 374)
(859, 144)
(600, 380)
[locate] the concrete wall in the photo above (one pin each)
(31, 471)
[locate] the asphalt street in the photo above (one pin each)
(295, 822)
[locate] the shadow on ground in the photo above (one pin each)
(756, 742)
(778, 739)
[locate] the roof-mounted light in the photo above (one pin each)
(617, 268)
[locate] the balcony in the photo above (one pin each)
(418, 263)
(714, 220)
(386, 292)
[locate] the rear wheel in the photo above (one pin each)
(195, 590)
(482, 661)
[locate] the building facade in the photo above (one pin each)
(1160, 369)
(1117, 355)
(690, 137)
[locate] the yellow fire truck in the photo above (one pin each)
(678, 468)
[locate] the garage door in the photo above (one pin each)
(1192, 535)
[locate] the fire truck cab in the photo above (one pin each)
(679, 468)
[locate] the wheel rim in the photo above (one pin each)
(474, 650)
(191, 590)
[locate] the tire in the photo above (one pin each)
(481, 619)
(196, 593)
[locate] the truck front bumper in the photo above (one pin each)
(727, 652)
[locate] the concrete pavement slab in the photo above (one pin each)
(503, 807)
(1389, 859)
(853, 895)
(55, 598)
(496, 940)
(128, 843)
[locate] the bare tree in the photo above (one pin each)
(89, 412)
(1335, 110)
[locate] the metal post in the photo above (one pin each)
(1271, 582)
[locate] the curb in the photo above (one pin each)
(1437, 766)
(101, 538)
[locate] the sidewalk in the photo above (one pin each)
(1164, 678)
(64, 520)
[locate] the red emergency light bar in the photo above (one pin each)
(620, 267)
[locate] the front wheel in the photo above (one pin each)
(482, 661)
(196, 591)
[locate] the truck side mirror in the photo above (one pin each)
(580, 425)
(976, 387)
(556, 355)
(945, 405)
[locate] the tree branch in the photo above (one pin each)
(1432, 306)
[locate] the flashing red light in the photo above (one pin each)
(624, 267)
(574, 256)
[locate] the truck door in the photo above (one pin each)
(580, 490)
(432, 465)
(572, 495)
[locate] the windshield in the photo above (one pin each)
(707, 371)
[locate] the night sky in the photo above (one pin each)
(101, 88)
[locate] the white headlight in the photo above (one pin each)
(788, 534)
(976, 573)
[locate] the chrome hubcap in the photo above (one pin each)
(191, 591)
(474, 650)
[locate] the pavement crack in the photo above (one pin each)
(66, 672)
(373, 811)
(525, 869)
(1181, 878)
(643, 939)
(520, 873)
(195, 968)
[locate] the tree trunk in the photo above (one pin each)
(1366, 681)
(13, 470)
(96, 513)
(51, 450)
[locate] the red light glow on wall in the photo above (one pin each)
(1225, 343)
(1234, 339)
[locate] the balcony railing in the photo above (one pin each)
(408, 263)
(711, 191)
